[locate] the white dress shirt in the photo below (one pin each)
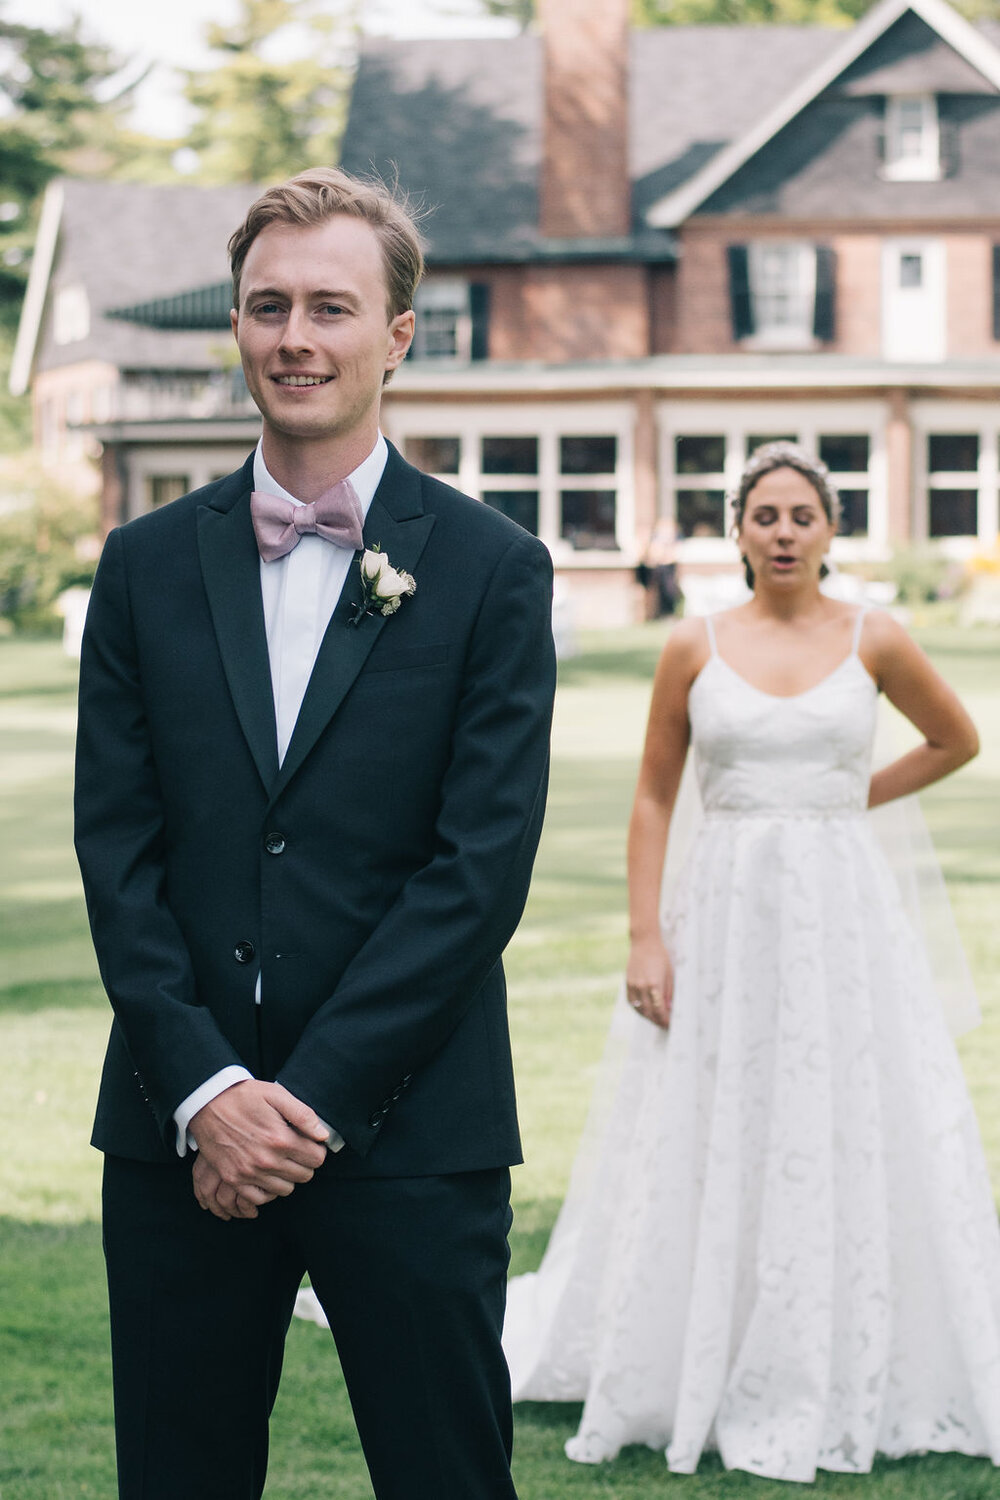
(300, 591)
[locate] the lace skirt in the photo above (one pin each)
(779, 1239)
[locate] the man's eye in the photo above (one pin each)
(333, 308)
(265, 308)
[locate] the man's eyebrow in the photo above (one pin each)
(317, 296)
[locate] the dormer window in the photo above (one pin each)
(70, 315)
(912, 138)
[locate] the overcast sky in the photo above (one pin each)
(170, 35)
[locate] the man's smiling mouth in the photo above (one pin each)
(302, 379)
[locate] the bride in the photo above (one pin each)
(779, 1239)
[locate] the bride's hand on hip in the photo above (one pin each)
(649, 981)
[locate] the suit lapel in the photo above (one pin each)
(397, 523)
(230, 566)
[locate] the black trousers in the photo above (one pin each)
(411, 1273)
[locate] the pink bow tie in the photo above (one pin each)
(278, 524)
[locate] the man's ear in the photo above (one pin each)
(400, 338)
(234, 319)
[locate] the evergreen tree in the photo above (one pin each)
(276, 103)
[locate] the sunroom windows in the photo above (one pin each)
(563, 473)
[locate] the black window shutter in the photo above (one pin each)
(825, 309)
(996, 291)
(479, 308)
(881, 126)
(948, 139)
(740, 299)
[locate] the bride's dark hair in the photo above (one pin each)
(782, 455)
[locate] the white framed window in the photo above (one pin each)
(704, 445)
(444, 321)
(783, 293)
(70, 315)
(912, 138)
(956, 469)
(564, 472)
(161, 472)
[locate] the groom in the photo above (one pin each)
(309, 794)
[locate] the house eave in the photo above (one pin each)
(33, 306)
(693, 372)
(646, 247)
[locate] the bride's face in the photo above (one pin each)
(785, 532)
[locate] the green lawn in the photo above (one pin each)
(55, 1427)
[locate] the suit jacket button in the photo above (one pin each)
(375, 1118)
(244, 952)
(274, 843)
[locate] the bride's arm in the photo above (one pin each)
(648, 974)
(909, 681)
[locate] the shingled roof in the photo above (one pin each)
(460, 122)
(127, 242)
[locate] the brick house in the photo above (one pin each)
(648, 252)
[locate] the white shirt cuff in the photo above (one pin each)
(209, 1090)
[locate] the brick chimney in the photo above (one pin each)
(585, 189)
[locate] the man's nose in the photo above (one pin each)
(296, 334)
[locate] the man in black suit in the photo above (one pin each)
(314, 711)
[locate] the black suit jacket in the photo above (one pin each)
(375, 878)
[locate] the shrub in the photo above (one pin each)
(48, 541)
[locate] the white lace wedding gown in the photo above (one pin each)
(779, 1239)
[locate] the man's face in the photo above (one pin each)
(313, 328)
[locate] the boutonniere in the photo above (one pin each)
(383, 587)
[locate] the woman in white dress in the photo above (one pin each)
(779, 1239)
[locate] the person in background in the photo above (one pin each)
(780, 1239)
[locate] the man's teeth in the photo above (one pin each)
(303, 379)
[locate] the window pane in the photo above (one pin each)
(953, 513)
(757, 440)
(952, 451)
(166, 487)
(701, 512)
(781, 277)
(588, 455)
(588, 518)
(699, 455)
(439, 334)
(845, 453)
(435, 455)
(509, 455)
(520, 505)
(911, 270)
(853, 513)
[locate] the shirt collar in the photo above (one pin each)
(365, 478)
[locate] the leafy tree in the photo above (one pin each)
(521, 11)
(49, 83)
(734, 12)
(276, 102)
(748, 12)
(62, 106)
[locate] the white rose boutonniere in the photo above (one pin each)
(383, 587)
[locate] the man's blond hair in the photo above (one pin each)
(319, 194)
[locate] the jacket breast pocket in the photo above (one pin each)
(407, 658)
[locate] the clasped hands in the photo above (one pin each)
(649, 981)
(256, 1142)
